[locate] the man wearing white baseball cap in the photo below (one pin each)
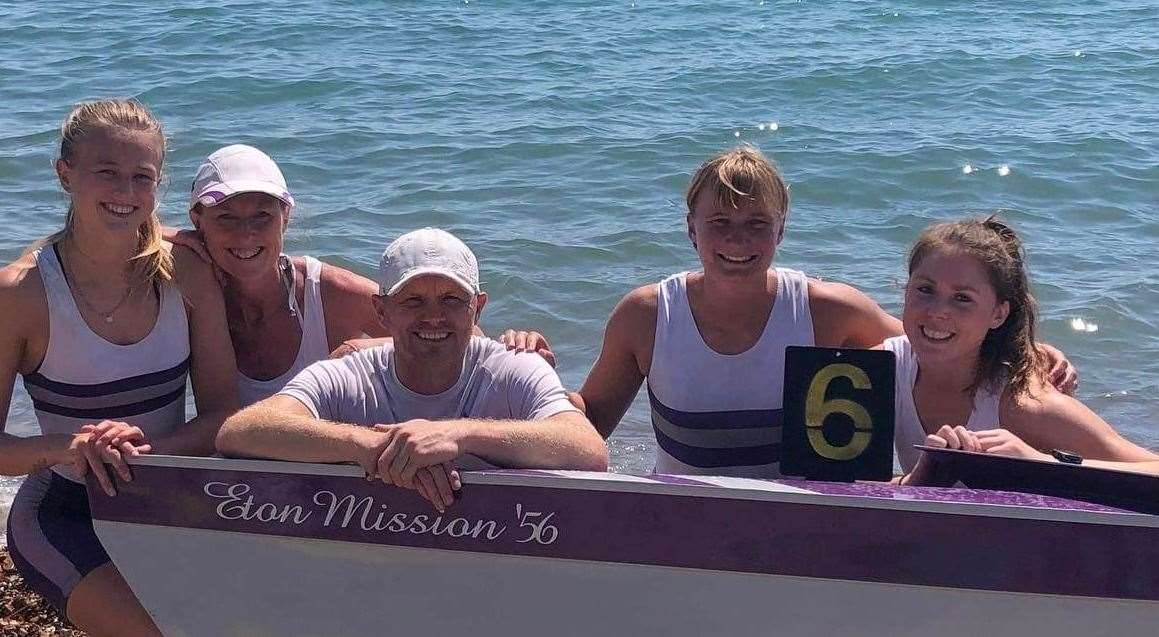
(406, 411)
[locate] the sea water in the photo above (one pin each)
(556, 139)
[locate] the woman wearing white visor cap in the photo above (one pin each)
(284, 312)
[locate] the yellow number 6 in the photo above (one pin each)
(817, 409)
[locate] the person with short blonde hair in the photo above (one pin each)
(743, 172)
(711, 343)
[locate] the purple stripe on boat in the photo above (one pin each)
(934, 494)
(749, 536)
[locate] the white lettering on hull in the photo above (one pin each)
(237, 505)
(239, 502)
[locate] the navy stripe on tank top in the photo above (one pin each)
(712, 439)
(112, 400)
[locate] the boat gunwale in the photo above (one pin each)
(697, 486)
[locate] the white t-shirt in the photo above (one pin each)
(363, 388)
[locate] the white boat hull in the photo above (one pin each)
(284, 580)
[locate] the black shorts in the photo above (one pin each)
(51, 538)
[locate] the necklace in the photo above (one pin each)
(286, 272)
(106, 315)
(236, 317)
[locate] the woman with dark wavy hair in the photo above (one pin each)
(969, 373)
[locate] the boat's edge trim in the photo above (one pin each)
(678, 485)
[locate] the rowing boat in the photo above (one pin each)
(242, 547)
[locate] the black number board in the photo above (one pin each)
(838, 414)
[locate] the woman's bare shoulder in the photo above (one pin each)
(22, 297)
(1040, 406)
(20, 280)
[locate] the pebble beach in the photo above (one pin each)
(23, 613)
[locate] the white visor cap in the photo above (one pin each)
(427, 251)
(236, 169)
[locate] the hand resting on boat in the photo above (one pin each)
(1000, 441)
(282, 428)
(436, 483)
(425, 455)
(108, 442)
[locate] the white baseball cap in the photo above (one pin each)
(236, 169)
(427, 251)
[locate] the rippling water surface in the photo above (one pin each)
(556, 139)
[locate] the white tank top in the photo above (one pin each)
(720, 414)
(907, 428)
(85, 379)
(313, 347)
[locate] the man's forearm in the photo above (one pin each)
(566, 442)
(258, 432)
